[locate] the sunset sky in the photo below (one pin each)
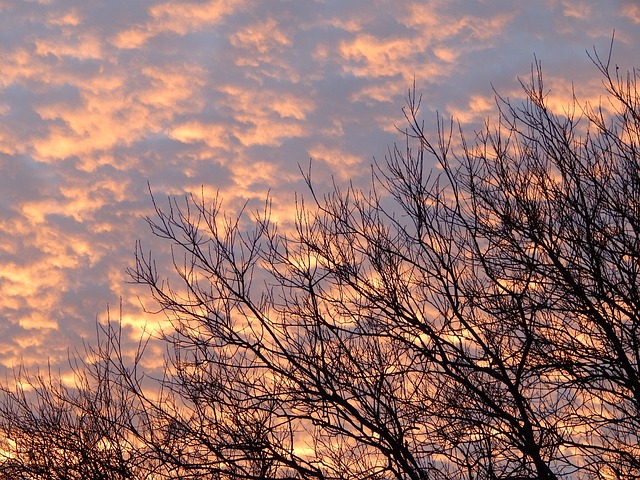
(99, 97)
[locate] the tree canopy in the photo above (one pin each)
(473, 320)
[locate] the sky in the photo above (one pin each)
(101, 98)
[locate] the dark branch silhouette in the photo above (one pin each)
(478, 320)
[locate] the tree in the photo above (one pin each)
(49, 430)
(478, 320)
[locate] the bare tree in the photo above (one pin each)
(476, 321)
(51, 429)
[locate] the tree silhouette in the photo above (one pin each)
(478, 320)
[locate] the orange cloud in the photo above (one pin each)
(372, 56)
(213, 135)
(214, 92)
(475, 111)
(100, 123)
(68, 19)
(132, 38)
(267, 117)
(261, 37)
(247, 174)
(183, 17)
(178, 18)
(343, 164)
(577, 9)
(631, 9)
(83, 46)
(174, 88)
(435, 26)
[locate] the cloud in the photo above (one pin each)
(367, 55)
(83, 46)
(345, 165)
(266, 117)
(261, 38)
(97, 98)
(475, 111)
(178, 18)
(630, 9)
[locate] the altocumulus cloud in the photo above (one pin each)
(97, 98)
